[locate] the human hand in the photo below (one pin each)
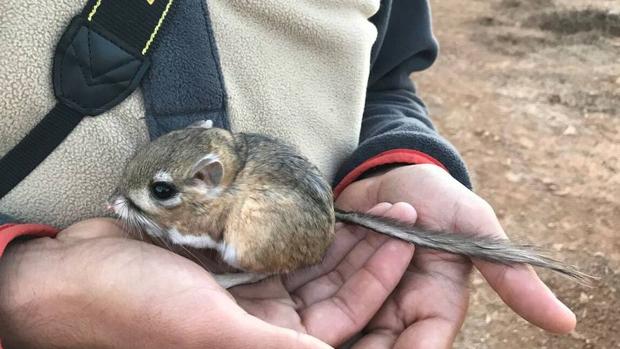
(429, 305)
(91, 287)
(336, 299)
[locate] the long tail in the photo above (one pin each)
(494, 250)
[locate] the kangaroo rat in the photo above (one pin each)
(265, 208)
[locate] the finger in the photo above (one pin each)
(358, 256)
(256, 333)
(409, 308)
(518, 286)
(523, 291)
(344, 242)
(376, 340)
(432, 333)
(269, 301)
(380, 209)
(358, 297)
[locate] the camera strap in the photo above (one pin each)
(99, 61)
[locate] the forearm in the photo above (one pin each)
(43, 301)
(91, 287)
(396, 127)
(38, 311)
(20, 313)
(397, 130)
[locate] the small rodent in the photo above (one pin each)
(264, 207)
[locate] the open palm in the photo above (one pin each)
(429, 305)
(336, 299)
(91, 287)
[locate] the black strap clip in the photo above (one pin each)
(93, 70)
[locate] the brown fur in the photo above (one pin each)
(276, 211)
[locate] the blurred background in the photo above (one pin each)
(529, 92)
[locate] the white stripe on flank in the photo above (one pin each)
(227, 252)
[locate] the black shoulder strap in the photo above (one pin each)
(99, 61)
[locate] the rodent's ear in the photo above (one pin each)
(209, 170)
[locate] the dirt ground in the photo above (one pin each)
(529, 92)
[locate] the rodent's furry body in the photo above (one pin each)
(271, 212)
(265, 207)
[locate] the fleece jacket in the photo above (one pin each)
(331, 77)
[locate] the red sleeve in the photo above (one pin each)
(10, 232)
(395, 156)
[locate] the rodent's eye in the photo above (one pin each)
(163, 190)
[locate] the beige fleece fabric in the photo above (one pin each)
(293, 69)
(297, 70)
(73, 182)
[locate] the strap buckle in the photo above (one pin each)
(94, 70)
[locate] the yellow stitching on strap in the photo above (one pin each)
(161, 20)
(94, 10)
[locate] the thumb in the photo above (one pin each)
(266, 336)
